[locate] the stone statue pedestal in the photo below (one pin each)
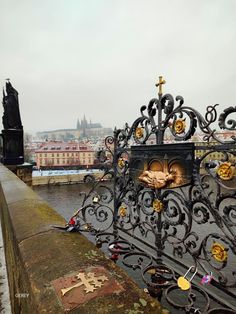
(13, 147)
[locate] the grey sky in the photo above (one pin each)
(102, 58)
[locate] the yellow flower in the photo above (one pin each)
(121, 163)
(179, 126)
(226, 171)
(219, 252)
(157, 205)
(122, 211)
(139, 132)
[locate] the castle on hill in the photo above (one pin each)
(84, 129)
(84, 124)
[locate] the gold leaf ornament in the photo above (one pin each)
(179, 126)
(219, 252)
(139, 132)
(226, 171)
(121, 163)
(122, 211)
(157, 205)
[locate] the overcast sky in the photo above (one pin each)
(102, 58)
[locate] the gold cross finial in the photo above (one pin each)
(159, 84)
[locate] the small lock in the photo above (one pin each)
(206, 279)
(183, 283)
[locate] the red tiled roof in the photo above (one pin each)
(63, 146)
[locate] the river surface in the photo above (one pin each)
(66, 199)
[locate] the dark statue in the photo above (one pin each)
(11, 116)
(12, 147)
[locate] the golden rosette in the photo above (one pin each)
(219, 252)
(157, 205)
(139, 132)
(122, 211)
(226, 171)
(121, 163)
(179, 126)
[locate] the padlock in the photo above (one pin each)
(183, 283)
(206, 279)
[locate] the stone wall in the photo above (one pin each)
(61, 179)
(42, 260)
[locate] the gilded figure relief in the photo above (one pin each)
(170, 175)
(162, 166)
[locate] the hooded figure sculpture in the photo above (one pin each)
(12, 136)
(11, 117)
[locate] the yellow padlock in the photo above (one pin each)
(183, 283)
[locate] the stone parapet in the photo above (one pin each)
(52, 271)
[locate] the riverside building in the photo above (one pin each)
(58, 154)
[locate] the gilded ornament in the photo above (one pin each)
(121, 163)
(159, 84)
(156, 179)
(90, 281)
(157, 205)
(179, 126)
(123, 211)
(219, 252)
(226, 171)
(139, 132)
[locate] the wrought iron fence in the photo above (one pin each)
(172, 210)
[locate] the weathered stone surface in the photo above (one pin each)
(78, 294)
(38, 255)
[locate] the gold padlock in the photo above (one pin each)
(183, 283)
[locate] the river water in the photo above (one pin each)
(66, 199)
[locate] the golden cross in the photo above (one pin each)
(91, 283)
(160, 83)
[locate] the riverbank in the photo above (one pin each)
(63, 177)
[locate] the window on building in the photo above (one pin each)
(58, 160)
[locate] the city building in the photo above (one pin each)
(58, 154)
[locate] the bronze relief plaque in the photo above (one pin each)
(162, 166)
